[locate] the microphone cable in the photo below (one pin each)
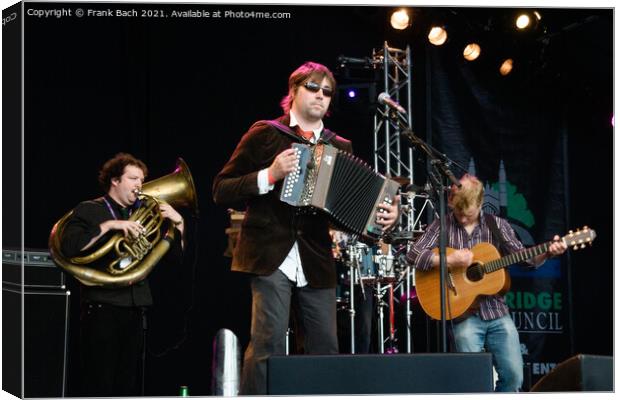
(190, 307)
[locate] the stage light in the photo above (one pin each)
(528, 20)
(437, 35)
(522, 21)
(400, 19)
(506, 67)
(351, 94)
(472, 51)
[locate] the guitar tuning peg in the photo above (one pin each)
(576, 247)
(585, 227)
(570, 232)
(583, 245)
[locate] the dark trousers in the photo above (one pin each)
(111, 347)
(271, 302)
(364, 307)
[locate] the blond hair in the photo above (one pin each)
(469, 194)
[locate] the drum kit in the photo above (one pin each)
(380, 270)
(376, 270)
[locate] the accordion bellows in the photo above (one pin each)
(339, 184)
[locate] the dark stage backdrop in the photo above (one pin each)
(189, 87)
(513, 133)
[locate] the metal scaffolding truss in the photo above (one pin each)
(392, 157)
(389, 159)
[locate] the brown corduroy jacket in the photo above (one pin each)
(271, 226)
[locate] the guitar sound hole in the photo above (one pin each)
(474, 272)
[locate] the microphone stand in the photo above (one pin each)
(355, 274)
(441, 169)
(440, 192)
(144, 329)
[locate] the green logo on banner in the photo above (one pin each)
(517, 205)
(502, 199)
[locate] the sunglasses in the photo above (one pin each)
(315, 87)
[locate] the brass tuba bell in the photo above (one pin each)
(139, 254)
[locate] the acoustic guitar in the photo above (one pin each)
(485, 276)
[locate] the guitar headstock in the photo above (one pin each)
(579, 239)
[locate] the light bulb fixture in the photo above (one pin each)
(437, 35)
(523, 21)
(400, 19)
(527, 20)
(472, 51)
(506, 66)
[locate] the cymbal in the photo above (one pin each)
(402, 180)
(403, 235)
(400, 237)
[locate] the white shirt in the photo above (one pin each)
(291, 267)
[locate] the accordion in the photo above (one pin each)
(341, 185)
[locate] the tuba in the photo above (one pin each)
(134, 258)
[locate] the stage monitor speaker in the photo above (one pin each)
(380, 374)
(46, 325)
(12, 366)
(588, 373)
(45, 339)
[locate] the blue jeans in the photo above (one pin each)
(500, 338)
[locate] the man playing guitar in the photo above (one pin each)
(486, 323)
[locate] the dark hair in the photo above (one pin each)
(303, 74)
(115, 167)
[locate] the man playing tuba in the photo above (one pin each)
(112, 316)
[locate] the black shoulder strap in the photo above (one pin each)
(326, 135)
(280, 127)
(497, 235)
(283, 128)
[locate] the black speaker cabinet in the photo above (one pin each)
(45, 339)
(38, 272)
(380, 374)
(12, 366)
(582, 372)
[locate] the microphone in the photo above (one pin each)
(385, 99)
(355, 61)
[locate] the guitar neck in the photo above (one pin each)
(516, 257)
(575, 240)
